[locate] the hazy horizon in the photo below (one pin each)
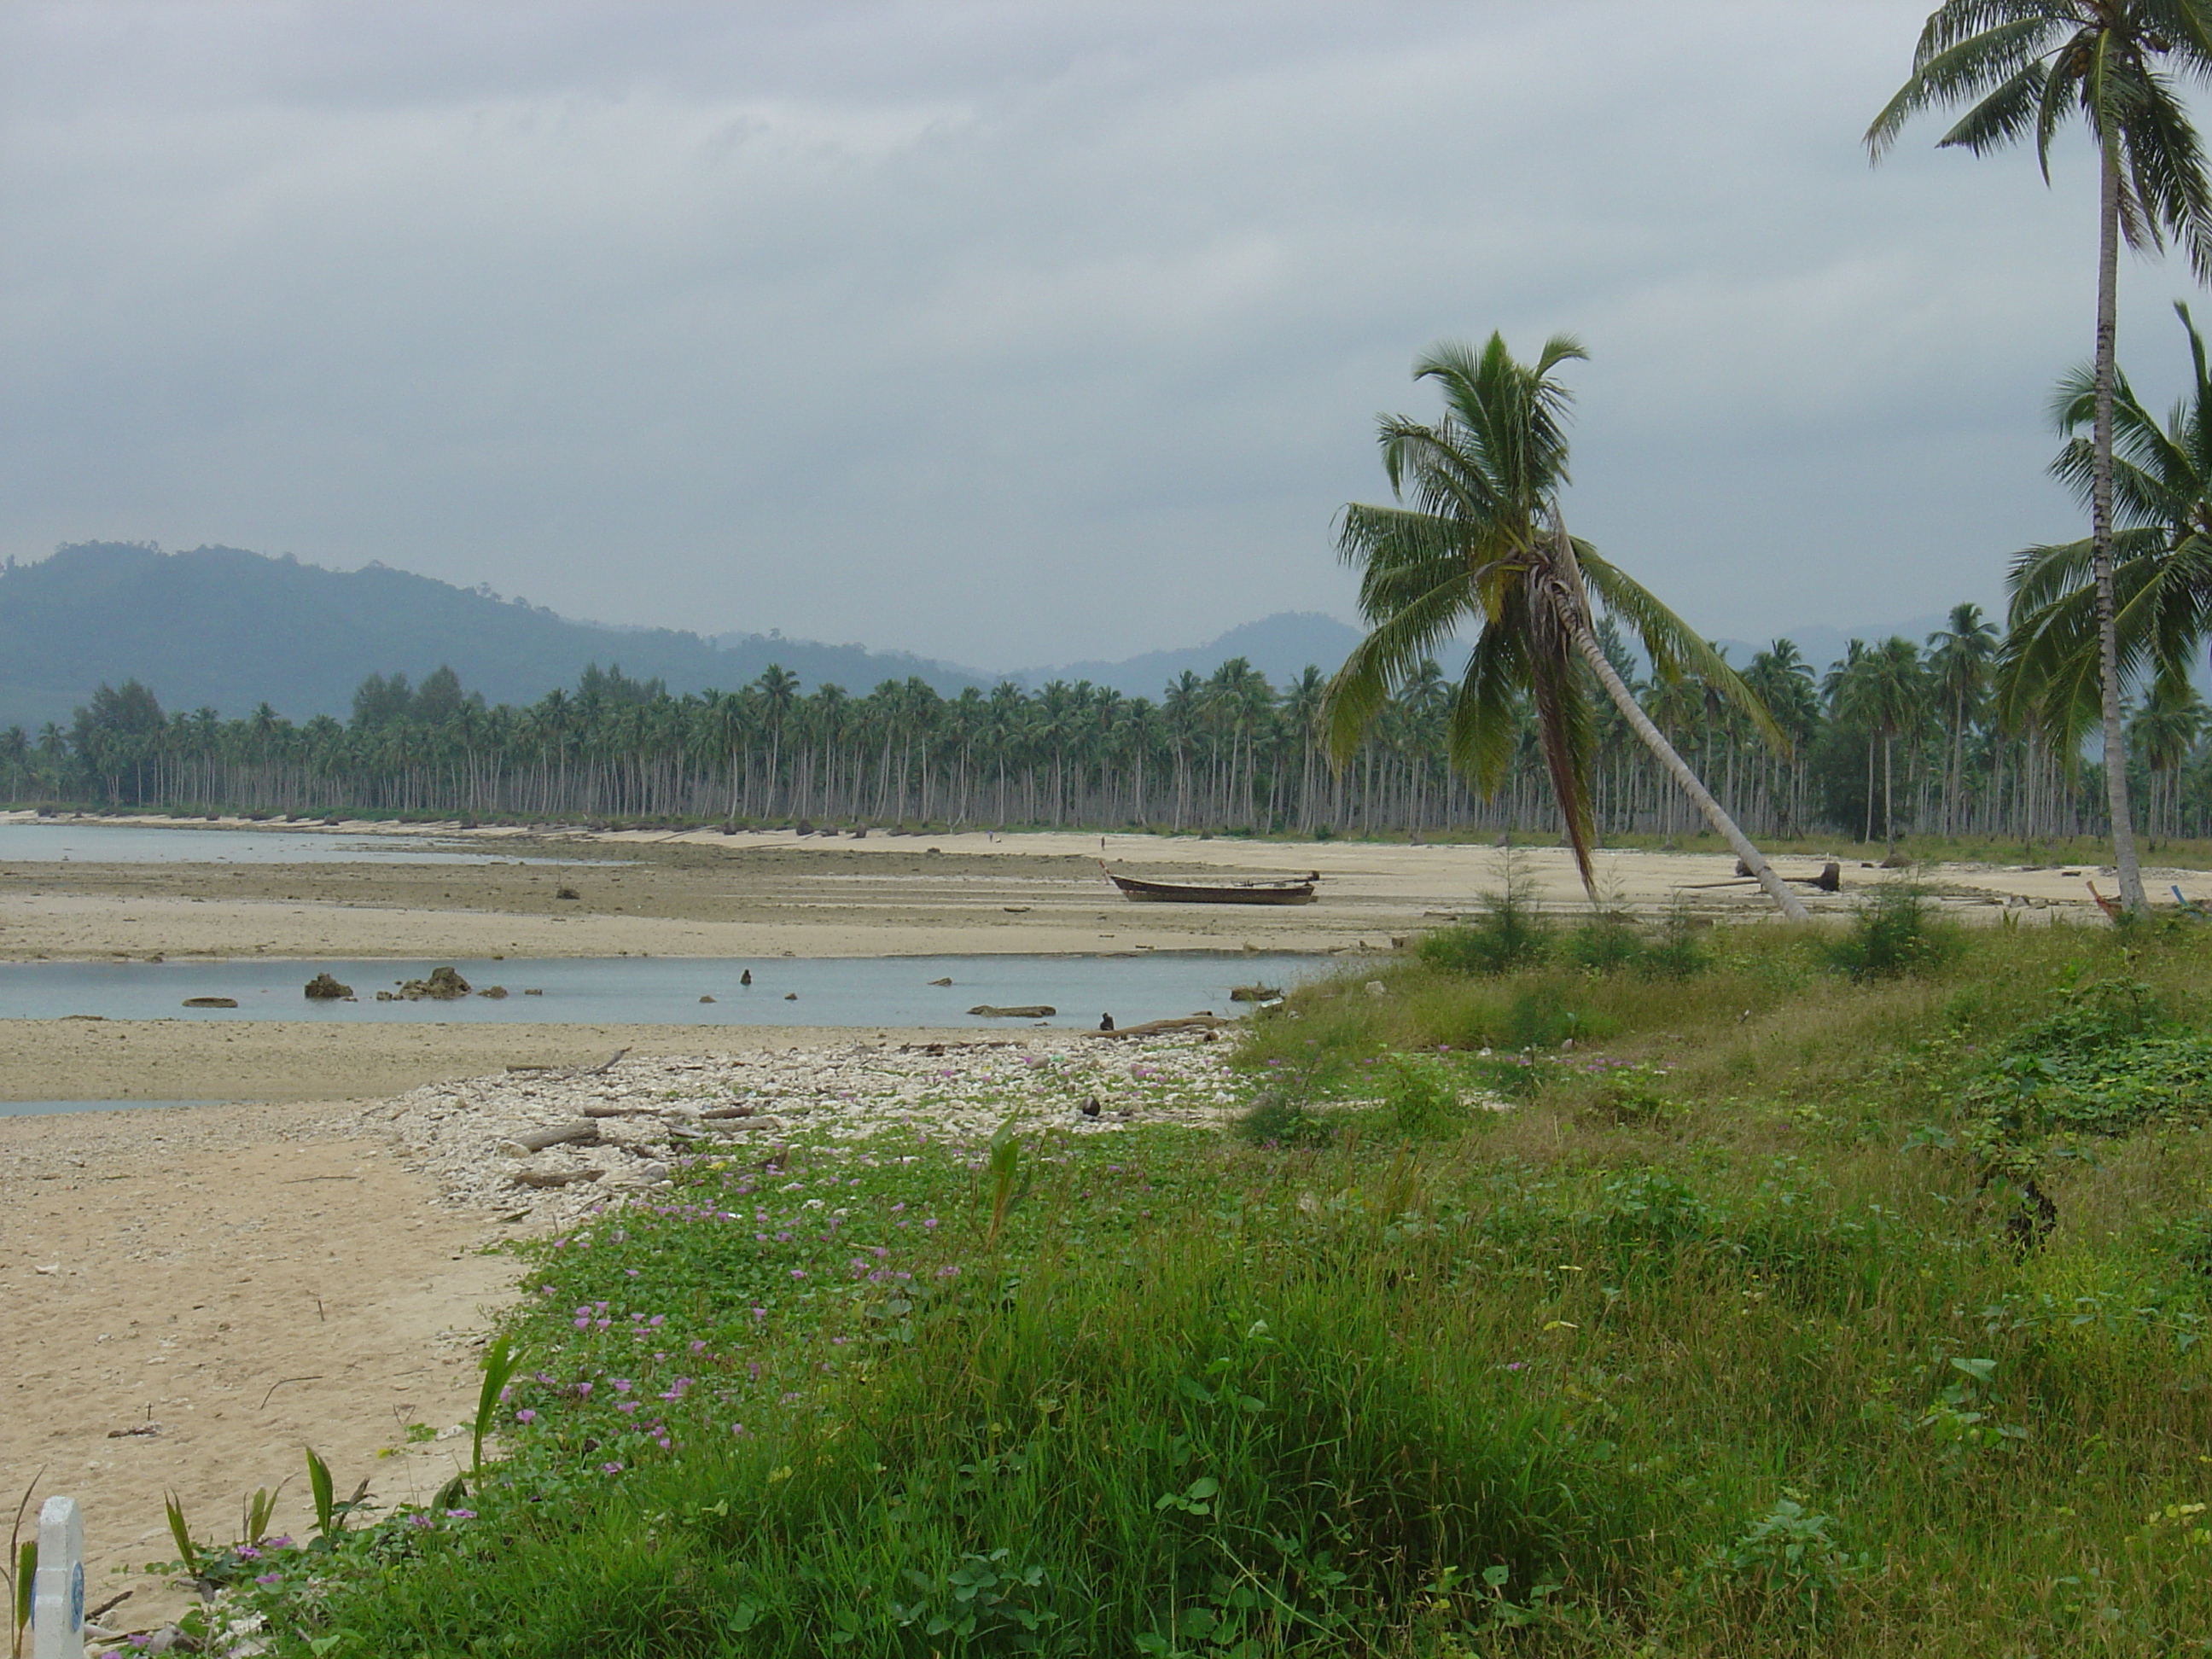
(946, 327)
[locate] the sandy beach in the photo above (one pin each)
(198, 1294)
(252, 1277)
(769, 894)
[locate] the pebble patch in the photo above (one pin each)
(474, 1139)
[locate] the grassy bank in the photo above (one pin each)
(1577, 1291)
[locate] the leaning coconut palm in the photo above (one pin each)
(1482, 543)
(2161, 483)
(2022, 66)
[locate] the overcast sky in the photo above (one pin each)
(1022, 332)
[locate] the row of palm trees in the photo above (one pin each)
(1895, 737)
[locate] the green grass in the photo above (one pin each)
(1728, 1338)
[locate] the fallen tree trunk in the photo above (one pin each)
(554, 1177)
(583, 1132)
(1157, 1027)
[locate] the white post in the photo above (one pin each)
(57, 1587)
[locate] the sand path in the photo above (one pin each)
(775, 894)
(251, 1279)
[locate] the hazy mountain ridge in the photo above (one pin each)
(224, 628)
(1280, 647)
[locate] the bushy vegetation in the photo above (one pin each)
(1773, 1311)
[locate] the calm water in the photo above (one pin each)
(47, 1108)
(664, 990)
(90, 843)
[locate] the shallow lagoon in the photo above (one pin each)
(833, 991)
(82, 842)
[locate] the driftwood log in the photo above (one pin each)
(1158, 1027)
(554, 1177)
(584, 1132)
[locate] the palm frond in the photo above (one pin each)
(1565, 730)
(1960, 58)
(1484, 731)
(1673, 646)
(2018, 106)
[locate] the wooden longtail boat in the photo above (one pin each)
(1294, 890)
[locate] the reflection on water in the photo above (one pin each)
(88, 842)
(848, 991)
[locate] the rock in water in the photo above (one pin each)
(940, 981)
(1028, 1011)
(443, 986)
(324, 988)
(496, 992)
(211, 1002)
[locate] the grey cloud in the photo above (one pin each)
(1012, 333)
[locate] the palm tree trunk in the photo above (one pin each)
(1888, 803)
(2101, 527)
(1868, 835)
(1586, 642)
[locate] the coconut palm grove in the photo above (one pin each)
(1902, 737)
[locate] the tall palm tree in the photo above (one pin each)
(2162, 552)
(779, 690)
(1782, 679)
(2021, 67)
(1483, 541)
(1959, 659)
(2167, 729)
(1892, 698)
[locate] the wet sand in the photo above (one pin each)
(772, 893)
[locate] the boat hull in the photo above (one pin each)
(1165, 892)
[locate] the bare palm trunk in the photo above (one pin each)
(1663, 752)
(1869, 835)
(1888, 803)
(1585, 641)
(2101, 527)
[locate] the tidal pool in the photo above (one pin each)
(842, 991)
(89, 841)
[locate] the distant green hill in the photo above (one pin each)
(231, 629)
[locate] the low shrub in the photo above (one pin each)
(1895, 932)
(1510, 933)
(1423, 1098)
(1608, 942)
